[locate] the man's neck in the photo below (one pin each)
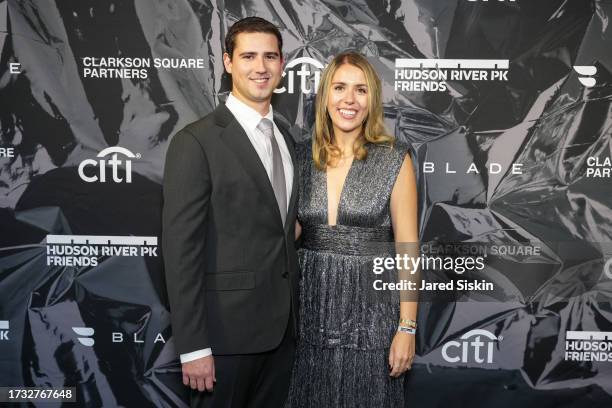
(261, 107)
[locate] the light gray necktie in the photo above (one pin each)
(278, 173)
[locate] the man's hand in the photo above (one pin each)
(200, 374)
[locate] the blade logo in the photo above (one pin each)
(4, 330)
(86, 339)
(87, 332)
(304, 74)
(115, 163)
(459, 351)
(118, 337)
(490, 168)
(587, 71)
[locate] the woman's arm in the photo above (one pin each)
(405, 229)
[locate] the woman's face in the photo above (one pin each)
(347, 100)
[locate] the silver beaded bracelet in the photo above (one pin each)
(404, 329)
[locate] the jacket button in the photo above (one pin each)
(285, 274)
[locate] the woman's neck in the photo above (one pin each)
(345, 141)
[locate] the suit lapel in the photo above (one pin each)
(238, 142)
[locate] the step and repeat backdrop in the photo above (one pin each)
(506, 106)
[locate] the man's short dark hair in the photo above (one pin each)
(251, 25)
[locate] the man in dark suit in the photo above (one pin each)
(228, 235)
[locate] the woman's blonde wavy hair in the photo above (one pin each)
(373, 127)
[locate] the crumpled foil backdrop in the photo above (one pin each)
(543, 117)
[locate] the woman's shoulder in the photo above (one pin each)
(395, 152)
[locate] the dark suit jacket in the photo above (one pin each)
(231, 266)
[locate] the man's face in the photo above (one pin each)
(256, 67)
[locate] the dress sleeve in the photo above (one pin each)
(398, 154)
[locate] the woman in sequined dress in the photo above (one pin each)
(357, 190)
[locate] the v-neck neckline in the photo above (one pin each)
(342, 193)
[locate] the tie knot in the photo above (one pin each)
(266, 126)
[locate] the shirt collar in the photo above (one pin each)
(249, 116)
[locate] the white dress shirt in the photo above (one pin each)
(249, 118)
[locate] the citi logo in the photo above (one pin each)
(475, 346)
(587, 72)
(85, 333)
(304, 74)
(114, 164)
(4, 330)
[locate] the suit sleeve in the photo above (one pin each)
(187, 189)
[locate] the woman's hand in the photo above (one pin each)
(401, 353)
(298, 230)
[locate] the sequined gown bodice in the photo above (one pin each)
(364, 201)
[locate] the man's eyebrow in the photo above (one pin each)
(250, 53)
